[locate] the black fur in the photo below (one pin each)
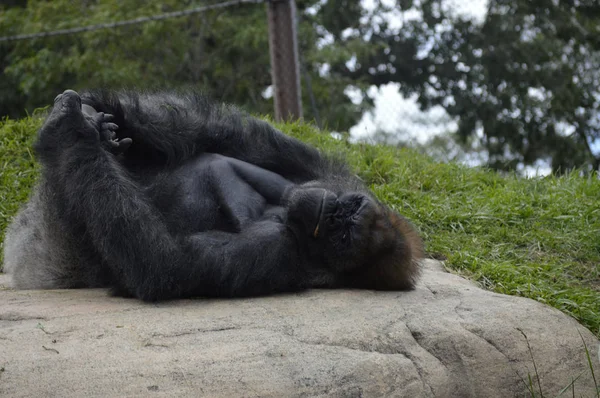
(162, 196)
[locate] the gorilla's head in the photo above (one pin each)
(359, 238)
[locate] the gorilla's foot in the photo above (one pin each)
(67, 116)
(70, 121)
(64, 126)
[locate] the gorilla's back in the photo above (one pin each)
(40, 254)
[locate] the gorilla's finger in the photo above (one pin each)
(98, 118)
(124, 144)
(110, 129)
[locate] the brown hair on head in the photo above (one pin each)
(393, 260)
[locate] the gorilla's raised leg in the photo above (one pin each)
(131, 237)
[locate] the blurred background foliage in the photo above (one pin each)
(521, 84)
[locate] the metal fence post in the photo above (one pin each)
(285, 67)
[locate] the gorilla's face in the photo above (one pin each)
(345, 230)
(356, 237)
(340, 228)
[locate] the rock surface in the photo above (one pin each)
(448, 338)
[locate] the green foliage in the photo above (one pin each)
(180, 52)
(481, 73)
(223, 53)
(18, 169)
(530, 68)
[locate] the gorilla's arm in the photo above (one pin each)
(224, 191)
(131, 237)
(170, 129)
(230, 173)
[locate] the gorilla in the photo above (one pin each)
(161, 195)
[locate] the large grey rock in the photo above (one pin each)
(448, 338)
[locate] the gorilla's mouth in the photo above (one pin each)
(320, 216)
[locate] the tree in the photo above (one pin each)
(527, 77)
(179, 52)
(522, 84)
(223, 53)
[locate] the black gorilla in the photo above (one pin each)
(161, 196)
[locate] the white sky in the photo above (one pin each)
(396, 114)
(392, 111)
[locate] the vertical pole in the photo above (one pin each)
(285, 67)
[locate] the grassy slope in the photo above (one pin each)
(538, 238)
(18, 169)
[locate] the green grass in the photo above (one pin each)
(537, 238)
